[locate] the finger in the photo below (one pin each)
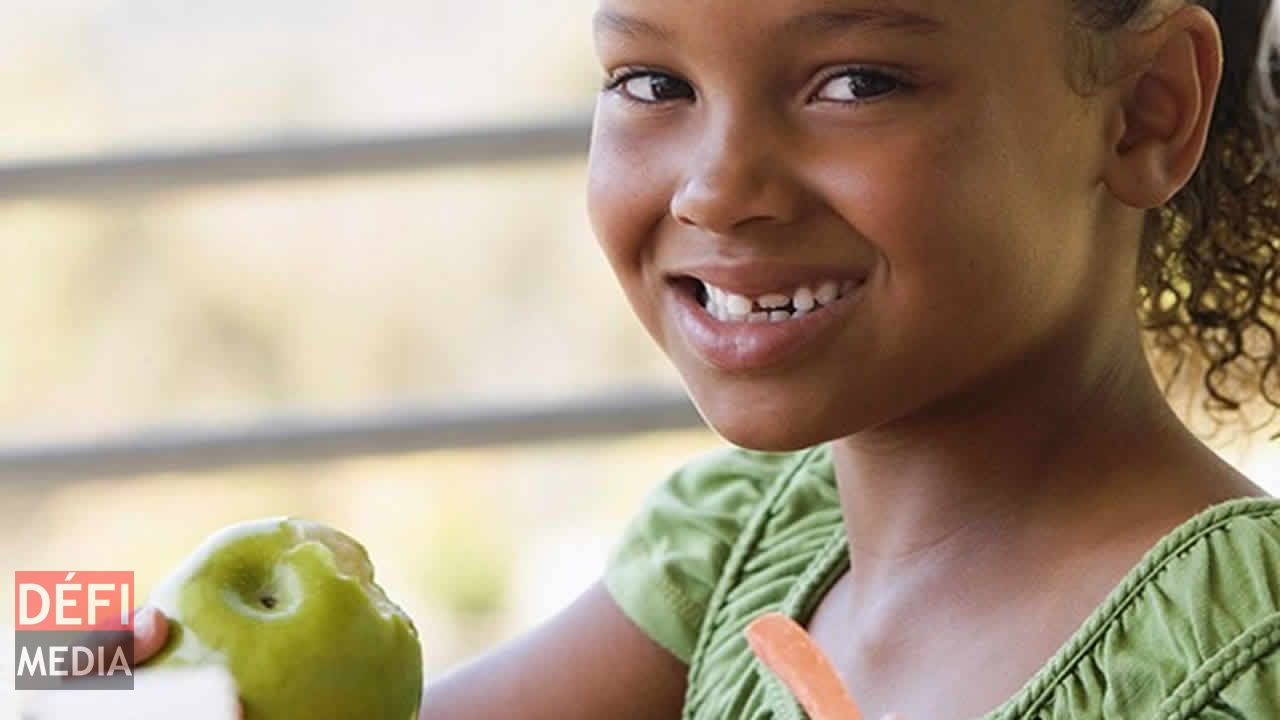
(150, 630)
(103, 640)
(786, 649)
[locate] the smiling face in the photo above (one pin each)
(928, 157)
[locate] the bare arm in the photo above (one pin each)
(588, 662)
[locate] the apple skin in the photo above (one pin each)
(289, 606)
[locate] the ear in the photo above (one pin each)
(1163, 114)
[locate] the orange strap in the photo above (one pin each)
(787, 650)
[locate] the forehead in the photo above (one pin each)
(666, 21)
(631, 18)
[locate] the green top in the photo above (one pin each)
(1193, 631)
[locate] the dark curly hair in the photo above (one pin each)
(1209, 273)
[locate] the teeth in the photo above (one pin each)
(772, 302)
(737, 305)
(773, 307)
(803, 299)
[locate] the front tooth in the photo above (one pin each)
(803, 299)
(779, 315)
(773, 301)
(757, 317)
(737, 304)
(827, 292)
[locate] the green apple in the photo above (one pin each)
(290, 607)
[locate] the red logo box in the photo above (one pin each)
(73, 630)
(97, 600)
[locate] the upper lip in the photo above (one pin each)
(759, 277)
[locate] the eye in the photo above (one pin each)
(857, 85)
(648, 87)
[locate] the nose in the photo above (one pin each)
(734, 177)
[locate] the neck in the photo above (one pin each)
(986, 480)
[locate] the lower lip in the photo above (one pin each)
(745, 346)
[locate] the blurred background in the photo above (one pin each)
(400, 235)
(259, 258)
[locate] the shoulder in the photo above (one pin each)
(664, 568)
(1227, 573)
(1221, 570)
(1195, 625)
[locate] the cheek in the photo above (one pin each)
(626, 200)
(925, 201)
(611, 187)
(947, 216)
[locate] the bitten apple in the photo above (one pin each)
(290, 607)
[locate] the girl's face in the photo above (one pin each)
(928, 158)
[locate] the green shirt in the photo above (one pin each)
(1193, 631)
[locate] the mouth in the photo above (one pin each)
(782, 305)
(737, 333)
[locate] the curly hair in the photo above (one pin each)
(1208, 285)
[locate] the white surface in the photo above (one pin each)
(203, 694)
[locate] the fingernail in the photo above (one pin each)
(144, 621)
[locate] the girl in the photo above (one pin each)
(905, 255)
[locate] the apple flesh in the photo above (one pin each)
(290, 608)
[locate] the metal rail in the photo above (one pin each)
(301, 439)
(311, 439)
(154, 170)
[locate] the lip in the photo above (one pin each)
(739, 347)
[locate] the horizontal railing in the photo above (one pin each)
(305, 439)
(155, 170)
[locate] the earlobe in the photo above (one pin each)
(1164, 112)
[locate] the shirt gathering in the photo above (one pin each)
(1192, 631)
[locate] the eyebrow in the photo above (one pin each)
(613, 21)
(827, 21)
(840, 20)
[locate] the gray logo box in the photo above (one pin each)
(49, 659)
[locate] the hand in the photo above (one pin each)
(150, 631)
(160, 693)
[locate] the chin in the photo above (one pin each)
(763, 432)
(783, 412)
(774, 445)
